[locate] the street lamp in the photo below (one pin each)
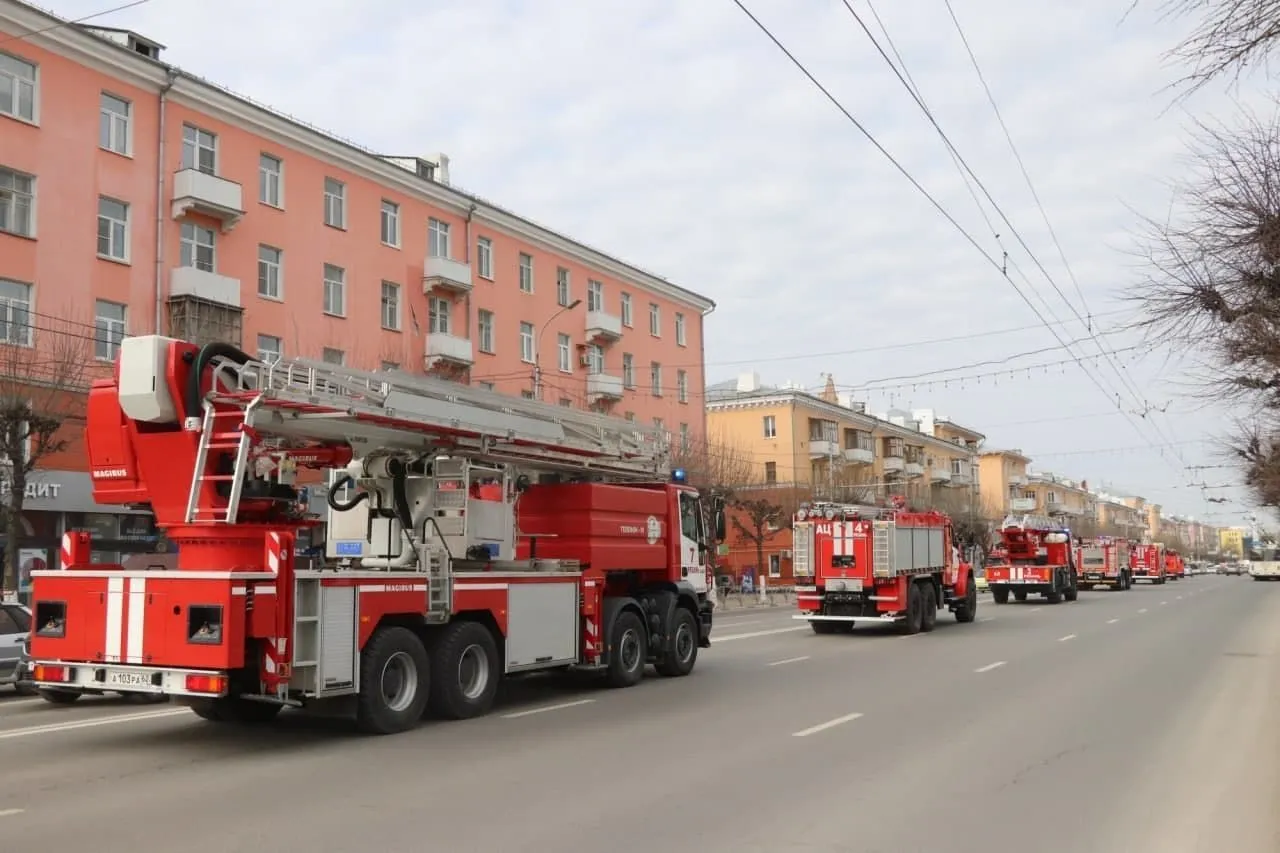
(537, 348)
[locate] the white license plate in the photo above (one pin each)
(116, 678)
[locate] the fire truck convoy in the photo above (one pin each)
(1033, 555)
(470, 536)
(1103, 561)
(873, 565)
(1148, 564)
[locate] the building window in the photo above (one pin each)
(775, 565)
(680, 332)
(682, 386)
(526, 343)
(437, 238)
(17, 202)
(770, 473)
(484, 257)
(626, 311)
(439, 316)
(684, 438)
(628, 370)
(196, 247)
(335, 290)
(526, 273)
(113, 123)
(595, 358)
(335, 203)
(15, 312)
(770, 426)
(655, 378)
(108, 327)
(390, 223)
(113, 229)
(595, 295)
(566, 402)
(485, 328)
(199, 150)
(565, 353)
(17, 88)
(270, 180)
(563, 290)
(270, 349)
(487, 386)
(391, 306)
(655, 319)
(270, 261)
(526, 394)
(333, 356)
(388, 366)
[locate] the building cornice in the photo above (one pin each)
(1012, 454)
(51, 33)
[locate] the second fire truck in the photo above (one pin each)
(1104, 561)
(1033, 556)
(878, 566)
(1148, 564)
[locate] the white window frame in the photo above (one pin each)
(390, 306)
(595, 358)
(564, 287)
(266, 354)
(109, 331)
(270, 180)
(191, 244)
(439, 316)
(17, 193)
(526, 272)
(484, 331)
(655, 378)
(564, 346)
(595, 295)
(682, 386)
(335, 288)
(484, 258)
(15, 312)
(628, 370)
(681, 340)
(333, 355)
(438, 238)
(655, 319)
(389, 223)
(19, 82)
(195, 142)
(115, 128)
(627, 310)
(117, 230)
(270, 272)
(526, 343)
(335, 203)
(769, 425)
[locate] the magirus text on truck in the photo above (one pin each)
(471, 536)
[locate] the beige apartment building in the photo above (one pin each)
(1118, 516)
(1002, 477)
(1060, 497)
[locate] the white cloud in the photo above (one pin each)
(673, 134)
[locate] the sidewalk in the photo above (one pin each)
(751, 601)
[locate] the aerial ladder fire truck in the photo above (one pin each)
(876, 565)
(1103, 561)
(1033, 556)
(470, 536)
(1147, 563)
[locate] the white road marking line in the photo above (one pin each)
(1112, 621)
(750, 634)
(10, 812)
(789, 660)
(1143, 610)
(829, 724)
(1034, 609)
(987, 619)
(1068, 637)
(1164, 602)
(746, 622)
(563, 705)
(990, 666)
(1178, 597)
(115, 719)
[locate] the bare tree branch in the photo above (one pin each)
(1230, 37)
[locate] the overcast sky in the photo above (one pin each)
(674, 134)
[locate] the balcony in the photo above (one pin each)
(1017, 479)
(199, 192)
(206, 286)
(913, 469)
(449, 349)
(819, 449)
(940, 476)
(859, 455)
(962, 478)
(446, 274)
(603, 326)
(894, 464)
(603, 386)
(1022, 505)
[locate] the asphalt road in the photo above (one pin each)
(1139, 721)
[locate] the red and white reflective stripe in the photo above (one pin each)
(68, 550)
(842, 538)
(126, 620)
(273, 553)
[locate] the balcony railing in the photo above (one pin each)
(446, 274)
(199, 192)
(603, 326)
(859, 455)
(202, 284)
(1022, 504)
(603, 386)
(449, 349)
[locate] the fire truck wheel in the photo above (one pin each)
(929, 608)
(1072, 592)
(967, 611)
(915, 610)
(827, 627)
(681, 652)
(1019, 596)
(394, 681)
(465, 668)
(60, 697)
(628, 650)
(1053, 597)
(1000, 594)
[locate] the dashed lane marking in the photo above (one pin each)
(750, 634)
(546, 709)
(829, 724)
(789, 660)
(11, 812)
(1068, 637)
(991, 666)
(113, 720)
(1112, 621)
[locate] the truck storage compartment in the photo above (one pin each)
(607, 526)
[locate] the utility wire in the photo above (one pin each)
(64, 24)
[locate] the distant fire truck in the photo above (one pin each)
(1174, 566)
(1033, 555)
(1148, 563)
(1104, 560)
(881, 566)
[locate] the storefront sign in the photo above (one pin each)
(59, 491)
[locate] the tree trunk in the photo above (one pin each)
(13, 528)
(760, 567)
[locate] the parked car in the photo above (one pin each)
(15, 627)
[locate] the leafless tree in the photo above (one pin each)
(972, 520)
(46, 366)
(715, 465)
(1228, 38)
(760, 520)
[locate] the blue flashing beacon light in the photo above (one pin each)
(678, 475)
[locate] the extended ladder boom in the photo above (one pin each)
(313, 401)
(1040, 523)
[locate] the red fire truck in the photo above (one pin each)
(470, 536)
(1148, 563)
(1103, 560)
(875, 565)
(1033, 556)
(1174, 566)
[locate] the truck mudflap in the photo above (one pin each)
(195, 683)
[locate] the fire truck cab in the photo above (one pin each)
(1033, 556)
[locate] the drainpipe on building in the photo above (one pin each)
(171, 77)
(708, 509)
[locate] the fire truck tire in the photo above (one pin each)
(628, 650)
(465, 670)
(1019, 596)
(1000, 594)
(681, 652)
(967, 610)
(928, 607)
(233, 709)
(60, 697)
(915, 611)
(394, 681)
(826, 627)
(1072, 593)
(1053, 597)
